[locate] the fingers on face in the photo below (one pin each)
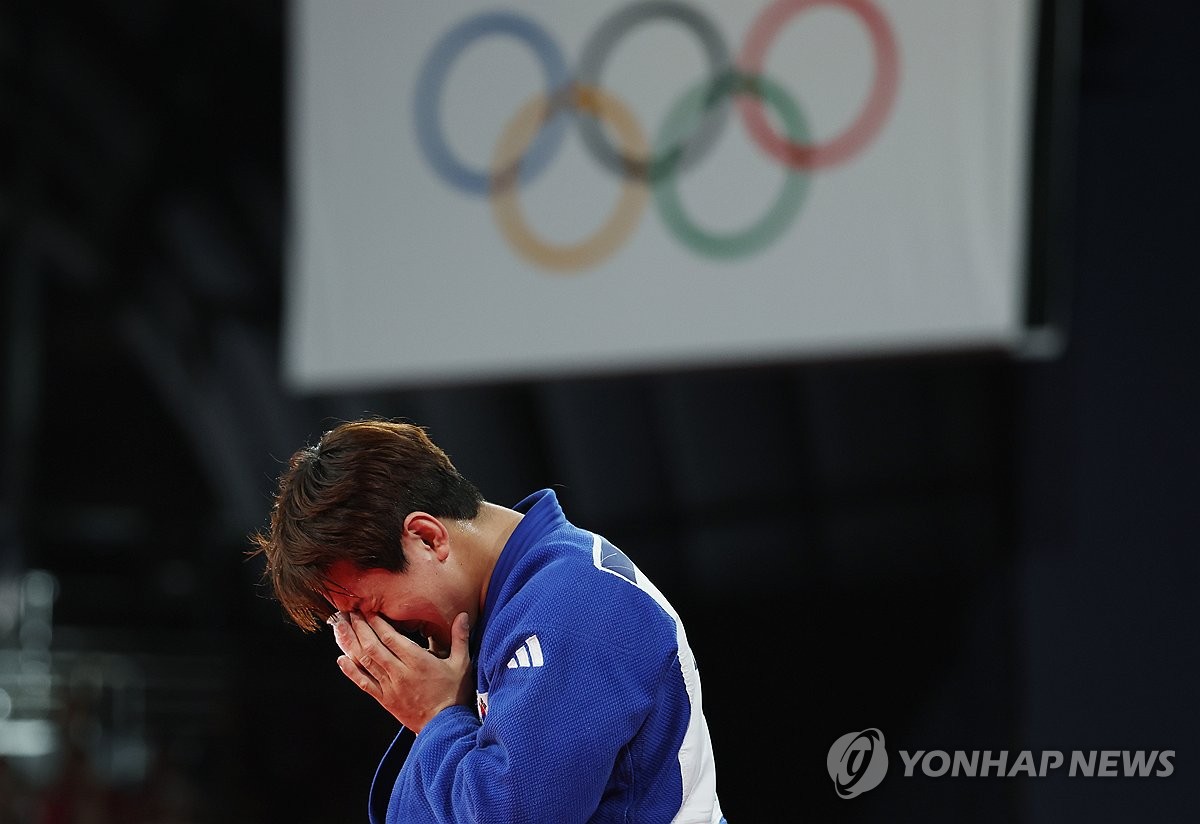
(370, 643)
(352, 670)
(371, 651)
(383, 632)
(398, 643)
(360, 661)
(344, 636)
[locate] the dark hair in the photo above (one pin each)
(346, 499)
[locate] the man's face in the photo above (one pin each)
(418, 602)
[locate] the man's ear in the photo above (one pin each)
(431, 532)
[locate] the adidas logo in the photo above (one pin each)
(528, 654)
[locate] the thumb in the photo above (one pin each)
(460, 638)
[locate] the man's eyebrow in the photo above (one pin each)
(355, 600)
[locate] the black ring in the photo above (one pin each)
(591, 64)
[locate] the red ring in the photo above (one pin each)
(874, 113)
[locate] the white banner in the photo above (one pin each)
(548, 188)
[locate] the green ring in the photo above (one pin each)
(681, 119)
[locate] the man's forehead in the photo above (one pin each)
(343, 585)
(344, 576)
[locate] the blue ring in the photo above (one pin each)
(427, 102)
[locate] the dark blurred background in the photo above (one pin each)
(968, 551)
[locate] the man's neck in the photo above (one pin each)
(486, 534)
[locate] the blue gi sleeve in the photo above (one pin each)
(555, 743)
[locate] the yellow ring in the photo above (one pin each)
(517, 136)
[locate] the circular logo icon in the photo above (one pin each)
(857, 762)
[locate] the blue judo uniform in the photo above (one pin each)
(589, 705)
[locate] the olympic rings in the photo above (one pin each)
(591, 64)
(521, 131)
(427, 103)
(791, 195)
(859, 133)
(691, 127)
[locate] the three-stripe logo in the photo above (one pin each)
(528, 654)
